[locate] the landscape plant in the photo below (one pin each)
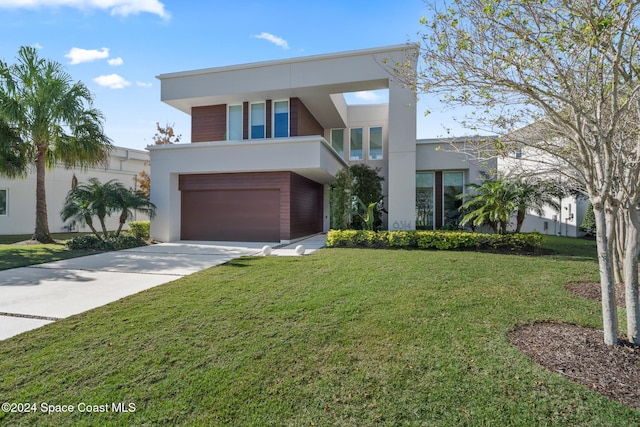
(46, 119)
(98, 199)
(353, 192)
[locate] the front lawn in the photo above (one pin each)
(12, 256)
(342, 337)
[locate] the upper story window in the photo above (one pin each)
(257, 117)
(337, 140)
(3, 201)
(355, 144)
(281, 119)
(375, 143)
(234, 125)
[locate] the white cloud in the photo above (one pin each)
(368, 96)
(78, 55)
(115, 61)
(37, 46)
(273, 39)
(115, 7)
(112, 81)
(143, 84)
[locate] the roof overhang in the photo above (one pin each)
(316, 80)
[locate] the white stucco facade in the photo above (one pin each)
(19, 218)
(318, 82)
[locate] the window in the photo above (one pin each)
(355, 146)
(337, 140)
(424, 200)
(281, 119)
(3, 201)
(234, 129)
(257, 120)
(375, 143)
(452, 186)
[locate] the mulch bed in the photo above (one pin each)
(591, 290)
(580, 354)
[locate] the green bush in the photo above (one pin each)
(140, 229)
(439, 240)
(112, 243)
(589, 222)
(88, 241)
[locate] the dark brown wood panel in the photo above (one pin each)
(438, 200)
(245, 120)
(233, 181)
(300, 202)
(306, 206)
(231, 215)
(302, 121)
(209, 123)
(268, 107)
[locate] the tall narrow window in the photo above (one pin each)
(375, 143)
(337, 140)
(424, 200)
(3, 201)
(234, 130)
(257, 121)
(355, 145)
(281, 119)
(452, 187)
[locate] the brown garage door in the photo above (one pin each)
(231, 215)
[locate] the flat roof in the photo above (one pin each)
(369, 51)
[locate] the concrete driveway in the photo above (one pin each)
(31, 297)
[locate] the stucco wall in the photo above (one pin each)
(124, 165)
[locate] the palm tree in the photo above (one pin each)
(491, 203)
(50, 120)
(533, 196)
(98, 199)
(127, 201)
(77, 207)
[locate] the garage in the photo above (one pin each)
(231, 215)
(249, 207)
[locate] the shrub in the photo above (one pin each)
(88, 241)
(140, 229)
(589, 222)
(112, 243)
(440, 240)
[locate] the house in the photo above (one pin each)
(268, 138)
(18, 196)
(573, 205)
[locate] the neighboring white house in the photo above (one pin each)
(566, 221)
(18, 196)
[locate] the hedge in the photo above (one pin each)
(447, 240)
(91, 242)
(141, 229)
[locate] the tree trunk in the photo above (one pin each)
(619, 241)
(123, 220)
(631, 274)
(41, 232)
(89, 222)
(520, 219)
(605, 224)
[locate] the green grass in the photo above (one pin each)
(344, 337)
(12, 256)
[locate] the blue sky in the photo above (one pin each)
(117, 47)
